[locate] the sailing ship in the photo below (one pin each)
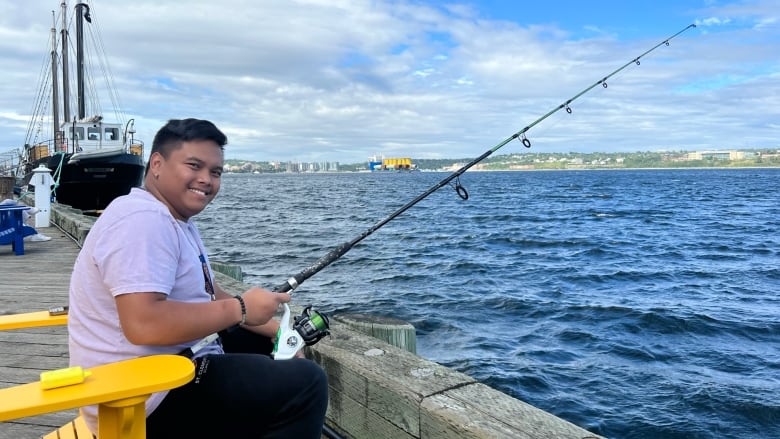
(92, 161)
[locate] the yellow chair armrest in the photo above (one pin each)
(30, 320)
(119, 389)
(109, 383)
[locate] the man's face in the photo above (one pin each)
(189, 178)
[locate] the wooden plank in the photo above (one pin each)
(32, 282)
(19, 430)
(478, 411)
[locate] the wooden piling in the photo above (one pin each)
(396, 332)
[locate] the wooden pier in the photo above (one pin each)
(377, 390)
(34, 281)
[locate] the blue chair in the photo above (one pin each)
(12, 228)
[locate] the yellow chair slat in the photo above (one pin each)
(80, 429)
(75, 429)
(30, 320)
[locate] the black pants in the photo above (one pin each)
(245, 394)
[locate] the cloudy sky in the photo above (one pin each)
(340, 80)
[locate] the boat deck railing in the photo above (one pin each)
(10, 161)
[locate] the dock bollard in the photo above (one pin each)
(396, 332)
(42, 182)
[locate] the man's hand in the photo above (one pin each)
(262, 305)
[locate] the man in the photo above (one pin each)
(142, 285)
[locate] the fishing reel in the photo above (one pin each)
(306, 329)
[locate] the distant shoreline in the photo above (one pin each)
(542, 161)
(443, 171)
(617, 169)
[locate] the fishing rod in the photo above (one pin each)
(311, 326)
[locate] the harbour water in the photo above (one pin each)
(636, 303)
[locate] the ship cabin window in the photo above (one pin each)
(79, 133)
(111, 133)
(93, 133)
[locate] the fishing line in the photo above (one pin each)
(294, 281)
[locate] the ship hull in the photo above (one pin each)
(91, 184)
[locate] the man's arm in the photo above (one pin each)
(152, 319)
(149, 318)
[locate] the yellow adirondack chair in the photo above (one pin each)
(120, 389)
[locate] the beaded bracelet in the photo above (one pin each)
(243, 308)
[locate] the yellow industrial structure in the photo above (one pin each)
(391, 164)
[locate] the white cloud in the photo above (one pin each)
(713, 21)
(765, 22)
(344, 80)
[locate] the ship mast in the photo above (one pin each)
(65, 76)
(55, 91)
(81, 15)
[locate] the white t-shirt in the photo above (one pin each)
(135, 246)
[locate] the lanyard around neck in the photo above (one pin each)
(206, 277)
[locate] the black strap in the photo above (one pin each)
(207, 279)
